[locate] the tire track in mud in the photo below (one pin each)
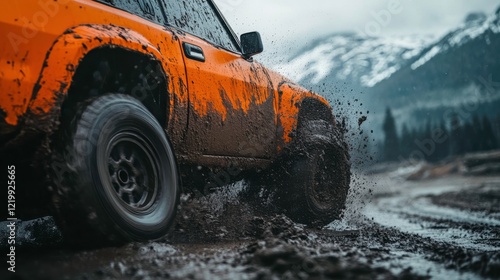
(452, 241)
(227, 235)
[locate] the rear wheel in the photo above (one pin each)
(115, 177)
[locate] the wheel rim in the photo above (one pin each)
(133, 173)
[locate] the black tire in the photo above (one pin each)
(316, 175)
(115, 178)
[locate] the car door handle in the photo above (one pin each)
(193, 52)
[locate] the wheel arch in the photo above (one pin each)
(314, 109)
(110, 69)
(295, 105)
(62, 64)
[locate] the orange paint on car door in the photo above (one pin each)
(231, 101)
(231, 98)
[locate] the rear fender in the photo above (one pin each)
(63, 59)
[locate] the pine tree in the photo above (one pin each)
(468, 136)
(489, 140)
(496, 130)
(415, 134)
(406, 142)
(391, 143)
(456, 138)
(476, 136)
(443, 148)
(427, 134)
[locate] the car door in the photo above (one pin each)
(231, 98)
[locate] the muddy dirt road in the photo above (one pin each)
(446, 228)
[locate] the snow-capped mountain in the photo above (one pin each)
(475, 26)
(460, 70)
(353, 57)
(468, 55)
(367, 61)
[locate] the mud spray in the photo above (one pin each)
(236, 233)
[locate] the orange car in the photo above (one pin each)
(107, 100)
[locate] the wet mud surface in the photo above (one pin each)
(446, 228)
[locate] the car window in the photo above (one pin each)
(199, 18)
(148, 9)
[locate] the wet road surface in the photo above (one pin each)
(447, 228)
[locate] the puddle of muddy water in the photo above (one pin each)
(457, 237)
(412, 212)
(402, 259)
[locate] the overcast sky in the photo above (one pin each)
(290, 24)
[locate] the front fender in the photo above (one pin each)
(290, 100)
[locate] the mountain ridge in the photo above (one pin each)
(365, 61)
(353, 57)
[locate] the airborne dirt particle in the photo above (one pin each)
(362, 120)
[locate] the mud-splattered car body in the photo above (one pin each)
(210, 108)
(179, 59)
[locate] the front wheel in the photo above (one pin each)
(316, 176)
(116, 177)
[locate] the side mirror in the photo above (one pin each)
(251, 44)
